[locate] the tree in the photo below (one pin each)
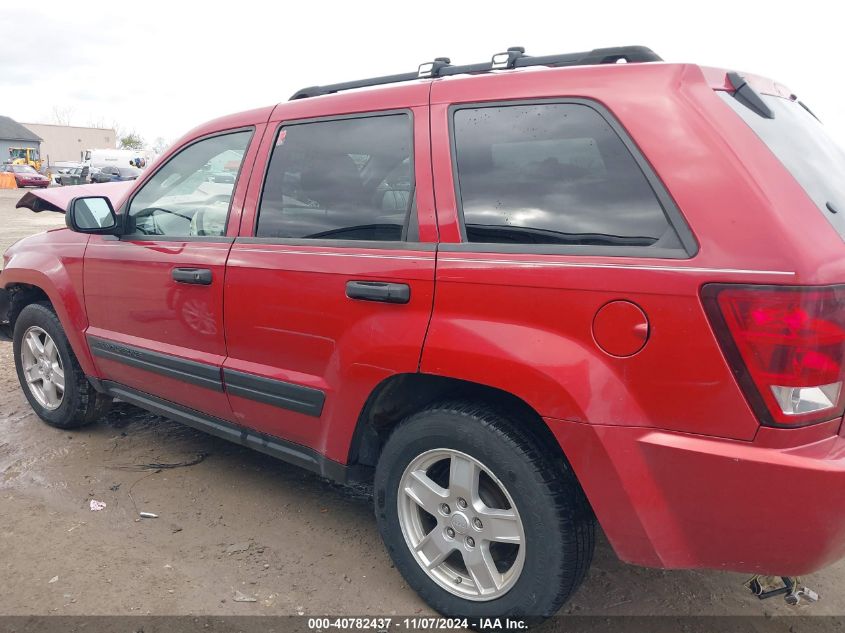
(98, 123)
(160, 145)
(119, 132)
(62, 116)
(132, 140)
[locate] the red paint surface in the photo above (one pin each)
(673, 460)
(620, 328)
(680, 501)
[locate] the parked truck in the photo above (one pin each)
(99, 158)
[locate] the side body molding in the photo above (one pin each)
(278, 393)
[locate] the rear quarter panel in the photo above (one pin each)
(523, 322)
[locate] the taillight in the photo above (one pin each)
(786, 346)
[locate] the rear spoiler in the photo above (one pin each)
(57, 198)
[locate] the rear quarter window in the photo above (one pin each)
(555, 174)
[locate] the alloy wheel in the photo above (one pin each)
(461, 524)
(42, 368)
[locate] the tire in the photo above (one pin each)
(78, 404)
(548, 516)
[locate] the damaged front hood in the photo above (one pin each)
(57, 198)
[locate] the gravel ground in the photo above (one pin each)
(18, 223)
(239, 521)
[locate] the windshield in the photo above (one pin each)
(802, 144)
(23, 169)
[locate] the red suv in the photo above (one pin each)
(518, 296)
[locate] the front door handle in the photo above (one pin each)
(378, 291)
(201, 276)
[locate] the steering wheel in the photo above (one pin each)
(150, 211)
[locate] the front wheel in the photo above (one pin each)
(49, 373)
(478, 519)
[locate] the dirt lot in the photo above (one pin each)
(242, 522)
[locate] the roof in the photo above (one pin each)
(11, 130)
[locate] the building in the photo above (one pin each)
(13, 134)
(61, 143)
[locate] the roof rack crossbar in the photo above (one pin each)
(514, 57)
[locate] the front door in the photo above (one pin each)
(154, 296)
(329, 290)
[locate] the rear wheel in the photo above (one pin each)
(49, 373)
(467, 533)
(478, 519)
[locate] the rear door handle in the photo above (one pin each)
(378, 291)
(201, 276)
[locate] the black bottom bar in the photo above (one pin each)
(287, 451)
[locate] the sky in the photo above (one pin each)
(161, 68)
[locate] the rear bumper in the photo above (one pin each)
(681, 501)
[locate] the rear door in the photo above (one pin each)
(154, 297)
(329, 288)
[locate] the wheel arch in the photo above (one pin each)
(400, 395)
(21, 295)
(24, 287)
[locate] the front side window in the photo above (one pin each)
(553, 173)
(346, 179)
(190, 195)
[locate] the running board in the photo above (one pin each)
(286, 451)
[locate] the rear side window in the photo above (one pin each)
(553, 173)
(344, 179)
(803, 146)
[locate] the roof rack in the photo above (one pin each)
(514, 57)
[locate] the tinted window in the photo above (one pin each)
(190, 194)
(802, 144)
(346, 179)
(552, 174)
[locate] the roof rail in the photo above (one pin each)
(514, 57)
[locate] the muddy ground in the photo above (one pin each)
(239, 521)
